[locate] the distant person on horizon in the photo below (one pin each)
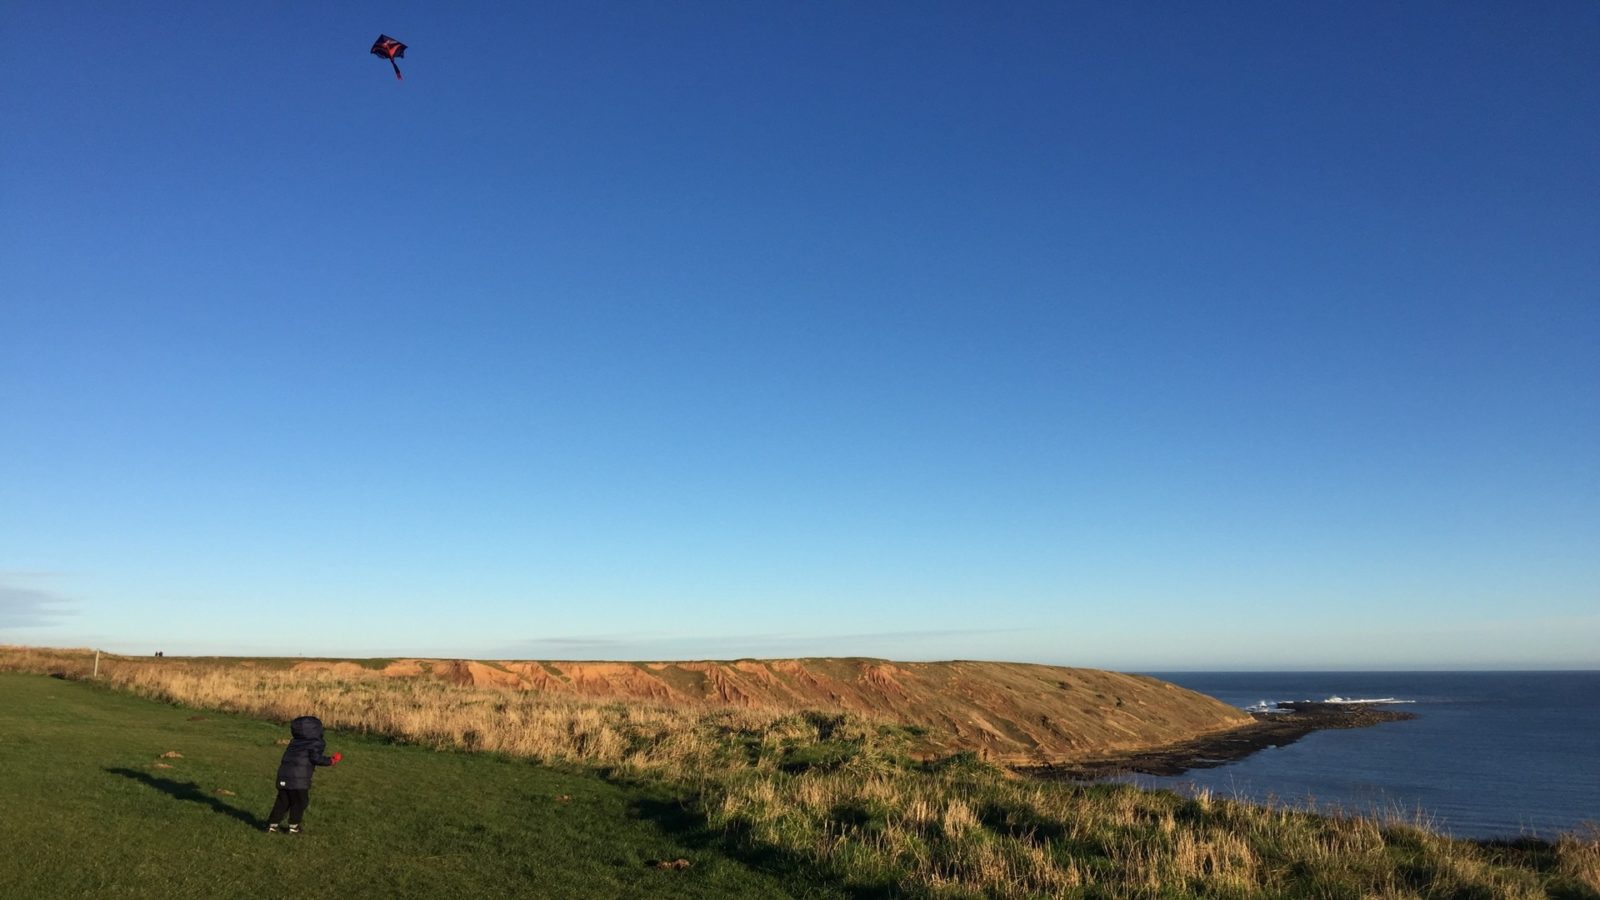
(300, 759)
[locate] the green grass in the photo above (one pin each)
(87, 814)
(807, 803)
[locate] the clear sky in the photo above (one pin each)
(1172, 335)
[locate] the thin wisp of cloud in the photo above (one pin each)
(24, 607)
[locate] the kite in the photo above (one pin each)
(390, 49)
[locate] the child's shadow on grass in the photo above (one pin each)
(188, 790)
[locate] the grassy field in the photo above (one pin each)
(459, 790)
(88, 813)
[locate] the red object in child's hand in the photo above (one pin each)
(338, 756)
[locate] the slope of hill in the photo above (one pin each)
(102, 813)
(137, 798)
(1007, 712)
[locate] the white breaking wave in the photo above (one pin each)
(1278, 706)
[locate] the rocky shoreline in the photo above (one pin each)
(1294, 721)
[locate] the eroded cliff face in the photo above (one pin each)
(1008, 712)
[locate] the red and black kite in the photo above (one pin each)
(390, 49)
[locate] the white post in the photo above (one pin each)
(97, 664)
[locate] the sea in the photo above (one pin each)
(1489, 755)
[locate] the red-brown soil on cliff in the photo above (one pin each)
(1008, 712)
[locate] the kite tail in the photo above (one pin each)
(396, 65)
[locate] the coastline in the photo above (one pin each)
(1274, 729)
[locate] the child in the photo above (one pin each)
(300, 758)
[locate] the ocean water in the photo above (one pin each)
(1490, 754)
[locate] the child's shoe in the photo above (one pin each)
(272, 828)
(295, 829)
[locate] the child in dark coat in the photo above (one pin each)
(300, 760)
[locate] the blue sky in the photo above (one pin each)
(1139, 336)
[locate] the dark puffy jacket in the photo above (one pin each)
(303, 754)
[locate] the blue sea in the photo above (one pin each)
(1490, 754)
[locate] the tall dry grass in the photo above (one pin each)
(838, 791)
(634, 737)
(1578, 856)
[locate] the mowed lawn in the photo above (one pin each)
(85, 811)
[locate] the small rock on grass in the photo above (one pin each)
(172, 754)
(224, 792)
(159, 766)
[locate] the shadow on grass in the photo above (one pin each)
(191, 792)
(800, 872)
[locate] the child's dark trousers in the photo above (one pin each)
(293, 802)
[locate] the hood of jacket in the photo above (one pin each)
(306, 728)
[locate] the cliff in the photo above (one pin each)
(1008, 712)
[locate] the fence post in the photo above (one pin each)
(97, 664)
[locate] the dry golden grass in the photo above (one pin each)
(1578, 857)
(634, 737)
(838, 790)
